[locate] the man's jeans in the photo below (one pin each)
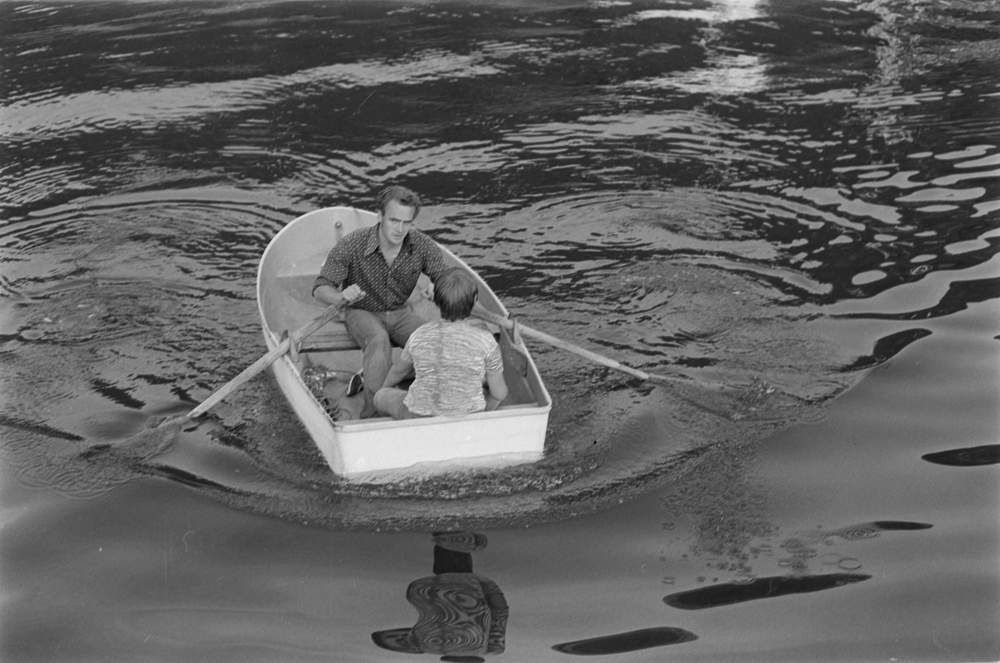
(376, 333)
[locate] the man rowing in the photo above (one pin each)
(373, 271)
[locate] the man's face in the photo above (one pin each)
(395, 222)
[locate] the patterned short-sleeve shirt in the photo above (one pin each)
(450, 360)
(357, 259)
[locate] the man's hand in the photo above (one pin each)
(330, 295)
(353, 293)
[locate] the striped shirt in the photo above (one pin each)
(358, 259)
(451, 360)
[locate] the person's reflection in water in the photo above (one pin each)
(461, 615)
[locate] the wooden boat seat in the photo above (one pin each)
(328, 340)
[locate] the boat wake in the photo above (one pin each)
(610, 438)
(748, 350)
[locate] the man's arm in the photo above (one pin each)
(327, 287)
(434, 265)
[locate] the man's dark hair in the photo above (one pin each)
(455, 294)
(401, 195)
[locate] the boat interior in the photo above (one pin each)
(328, 358)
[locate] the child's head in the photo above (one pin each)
(455, 293)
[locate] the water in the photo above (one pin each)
(792, 204)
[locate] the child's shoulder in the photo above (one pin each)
(483, 335)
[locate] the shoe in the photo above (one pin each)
(355, 385)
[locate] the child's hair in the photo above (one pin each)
(401, 195)
(455, 294)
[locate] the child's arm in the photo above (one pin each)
(401, 369)
(497, 390)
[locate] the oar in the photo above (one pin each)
(249, 372)
(481, 313)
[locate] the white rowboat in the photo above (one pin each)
(383, 449)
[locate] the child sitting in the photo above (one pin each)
(450, 359)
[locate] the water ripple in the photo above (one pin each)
(104, 110)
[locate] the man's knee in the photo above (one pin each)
(377, 341)
(365, 328)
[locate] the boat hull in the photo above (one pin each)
(383, 449)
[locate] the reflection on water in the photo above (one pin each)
(720, 510)
(760, 588)
(864, 530)
(621, 643)
(987, 454)
(39, 428)
(887, 347)
(461, 613)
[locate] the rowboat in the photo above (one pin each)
(314, 376)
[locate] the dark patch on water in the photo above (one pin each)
(863, 531)
(621, 643)
(184, 477)
(761, 588)
(987, 454)
(36, 427)
(116, 394)
(886, 348)
(900, 525)
(958, 297)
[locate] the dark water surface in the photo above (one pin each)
(793, 204)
